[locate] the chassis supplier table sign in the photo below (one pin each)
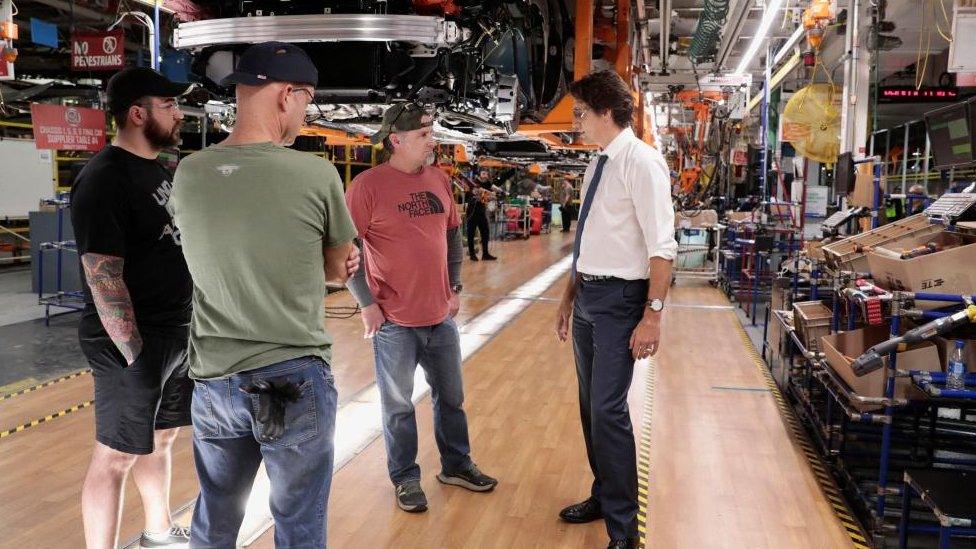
(68, 128)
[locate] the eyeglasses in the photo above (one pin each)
(318, 115)
(579, 112)
(168, 107)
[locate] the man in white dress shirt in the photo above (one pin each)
(615, 293)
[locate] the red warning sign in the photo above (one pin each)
(68, 128)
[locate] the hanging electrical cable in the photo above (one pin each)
(704, 43)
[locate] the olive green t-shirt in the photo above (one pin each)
(253, 220)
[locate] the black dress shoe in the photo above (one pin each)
(623, 544)
(488, 257)
(585, 511)
(473, 257)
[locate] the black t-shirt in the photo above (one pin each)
(118, 208)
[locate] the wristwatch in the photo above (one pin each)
(456, 288)
(655, 305)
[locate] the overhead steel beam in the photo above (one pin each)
(857, 82)
(78, 10)
(793, 40)
(733, 27)
(776, 78)
(318, 28)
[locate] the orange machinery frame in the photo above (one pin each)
(590, 23)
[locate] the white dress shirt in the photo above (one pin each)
(631, 219)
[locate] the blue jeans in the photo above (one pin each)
(437, 349)
(227, 449)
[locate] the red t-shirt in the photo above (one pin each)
(403, 220)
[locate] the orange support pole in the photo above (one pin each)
(583, 52)
(560, 118)
(622, 64)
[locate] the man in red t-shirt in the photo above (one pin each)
(408, 289)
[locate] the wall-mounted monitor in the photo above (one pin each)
(950, 136)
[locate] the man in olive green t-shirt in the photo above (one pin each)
(263, 227)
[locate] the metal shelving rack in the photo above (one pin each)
(73, 300)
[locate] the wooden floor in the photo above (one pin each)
(724, 472)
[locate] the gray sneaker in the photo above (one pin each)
(471, 478)
(177, 538)
(410, 496)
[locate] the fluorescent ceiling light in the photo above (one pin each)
(772, 10)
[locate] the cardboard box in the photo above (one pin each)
(843, 348)
(812, 321)
(814, 249)
(695, 220)
(863, 193)
(947, 272)
(846, 254)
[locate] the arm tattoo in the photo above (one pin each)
(112, 300)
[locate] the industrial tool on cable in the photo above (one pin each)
(873, 358)
(831, 226)
(871, 298)
(951, 209)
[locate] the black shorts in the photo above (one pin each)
(132, 402)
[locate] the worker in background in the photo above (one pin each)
(916, 199)
(409, 290)
(135, 324)
(526, 185)
(567, 194)
(264, 227)
(476, 210)
(615, 292)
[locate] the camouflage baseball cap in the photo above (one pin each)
(403, 117)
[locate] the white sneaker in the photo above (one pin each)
(177, 538)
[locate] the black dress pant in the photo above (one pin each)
(568, 213)
(605, 315)
(480, 223)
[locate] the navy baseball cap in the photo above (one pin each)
(129, 85)
(273, 62)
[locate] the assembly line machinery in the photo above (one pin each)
(867, 379)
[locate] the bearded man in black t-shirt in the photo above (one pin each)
(135, 327)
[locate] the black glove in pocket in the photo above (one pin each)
(274, 395)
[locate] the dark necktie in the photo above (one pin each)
(585, 209)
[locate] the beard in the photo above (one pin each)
(160, 138)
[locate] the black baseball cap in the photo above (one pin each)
(403, 117)
(273, 62)
(128, 85)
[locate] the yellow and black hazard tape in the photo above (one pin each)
(73, 375)
(644, 453)
(827, 483)
(36, 422)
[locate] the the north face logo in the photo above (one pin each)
(422, 203)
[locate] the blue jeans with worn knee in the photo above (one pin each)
(228, 448)
(398, 350)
